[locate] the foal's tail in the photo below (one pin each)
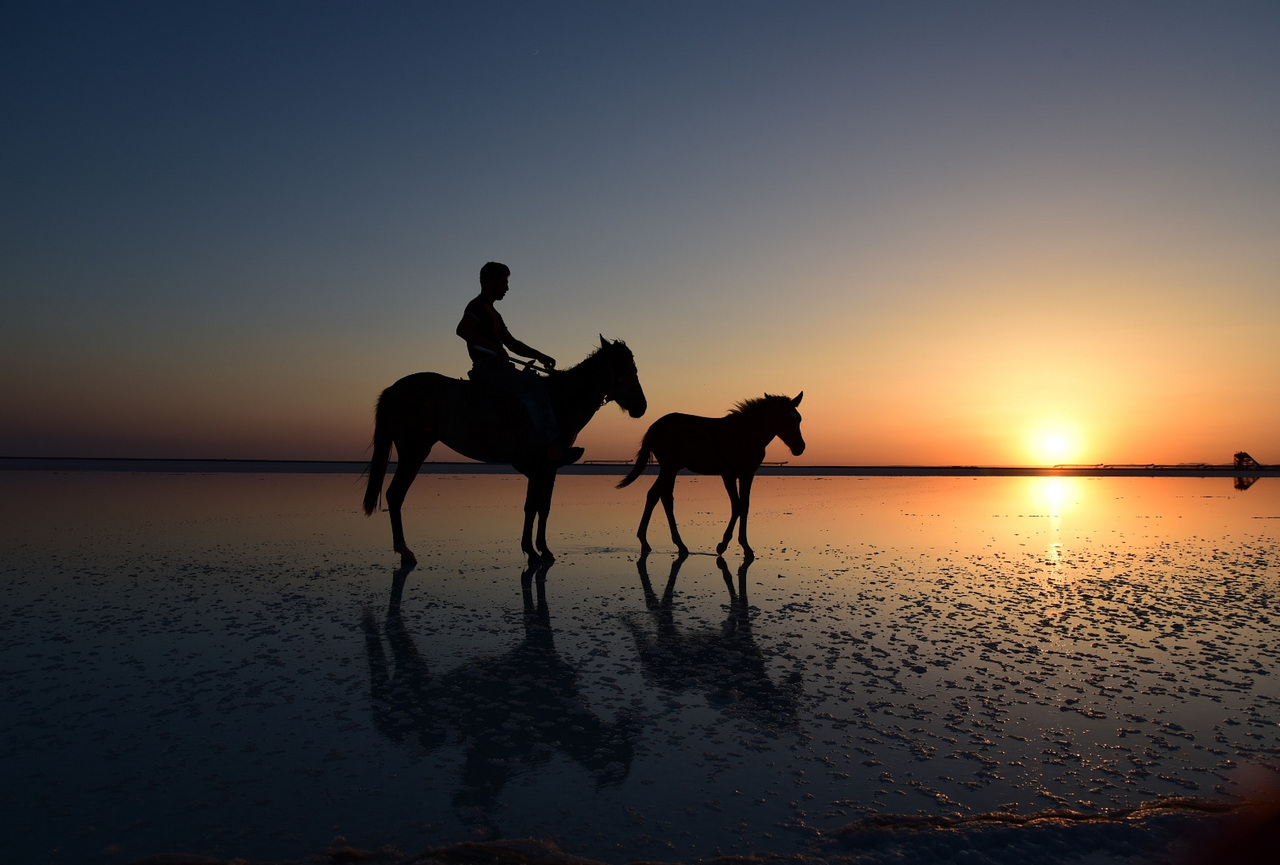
(642, 462)
(381, 456)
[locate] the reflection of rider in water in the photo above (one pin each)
(487, 342)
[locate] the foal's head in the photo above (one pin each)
(779, 414)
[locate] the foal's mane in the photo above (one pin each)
(760, 404)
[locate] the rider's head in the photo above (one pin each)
(493, 275)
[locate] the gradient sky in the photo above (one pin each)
(959, 228)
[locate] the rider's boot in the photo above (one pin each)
(559, 456)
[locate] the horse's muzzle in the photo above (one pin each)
(797, 448)
(633, 401)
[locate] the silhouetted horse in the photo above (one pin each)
(510, 712)
(723, 662)
(732, 446)
(484, 424)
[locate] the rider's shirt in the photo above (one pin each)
(491, 324)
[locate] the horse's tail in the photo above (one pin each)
(381, 456)
(642, 462)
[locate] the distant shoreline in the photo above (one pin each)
(220, 466)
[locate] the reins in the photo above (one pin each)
(531, 364)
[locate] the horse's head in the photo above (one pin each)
(623, 377)
(789, 425)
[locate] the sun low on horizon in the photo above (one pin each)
(1054, 443)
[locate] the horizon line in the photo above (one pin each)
(270, 466)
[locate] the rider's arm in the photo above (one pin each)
(527, 351)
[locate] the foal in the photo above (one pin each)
(732, 446)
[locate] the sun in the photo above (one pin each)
(1054, 445)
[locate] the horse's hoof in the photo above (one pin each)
(407, 558)
(747, 554)
(720, 548)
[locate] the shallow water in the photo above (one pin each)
(231, 664)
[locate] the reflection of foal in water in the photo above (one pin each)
(732, 446)
(723, 661)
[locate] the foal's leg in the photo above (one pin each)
(668, 495)
(408, 460)
(650, 499)
(663, 488)
(731, 487)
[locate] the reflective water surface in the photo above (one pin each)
(232, 665)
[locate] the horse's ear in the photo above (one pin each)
(796, 401)
(604, 343)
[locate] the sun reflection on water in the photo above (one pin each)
(1053, 493)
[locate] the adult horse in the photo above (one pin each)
(732, 446)
(484, 424)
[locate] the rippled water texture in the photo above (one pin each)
(230, 664)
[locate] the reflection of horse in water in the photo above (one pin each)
(511, 712)
(483, 424)
(732, 446)
(724, 662)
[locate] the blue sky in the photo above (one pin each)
(956, 226)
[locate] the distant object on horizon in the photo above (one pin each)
(1244, 461)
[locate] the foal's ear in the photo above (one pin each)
(796, 401)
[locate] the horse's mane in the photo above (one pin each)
(552, 373)
(759, 403)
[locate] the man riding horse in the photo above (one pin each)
(488, 339)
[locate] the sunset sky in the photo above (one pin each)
(966, 231)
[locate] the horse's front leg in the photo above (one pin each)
(544, 509)
(530, 511)
(735, 505)
(744, 498)
(537, 504)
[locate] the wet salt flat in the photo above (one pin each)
(231, 665)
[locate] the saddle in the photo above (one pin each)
(493, 423)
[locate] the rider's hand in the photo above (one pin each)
(548, 361)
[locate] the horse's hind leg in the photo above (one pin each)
(409, 460)
(735, 509)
